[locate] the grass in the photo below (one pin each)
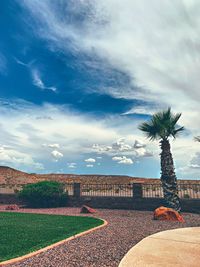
(22, 233)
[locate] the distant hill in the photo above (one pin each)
(94, 178)
(12, 177)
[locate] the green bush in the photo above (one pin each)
(44, 194)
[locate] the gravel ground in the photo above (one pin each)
(106, 246)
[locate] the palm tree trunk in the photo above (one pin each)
(168, 177)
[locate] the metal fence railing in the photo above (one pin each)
(152, 190)
(111, 190)
(70, 189)
(185, 190)
(189, 190)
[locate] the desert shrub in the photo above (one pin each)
(44, 194)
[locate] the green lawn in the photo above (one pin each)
(21, 233)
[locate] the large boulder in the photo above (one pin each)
(86, 209)
(12, 207)
(167, 214)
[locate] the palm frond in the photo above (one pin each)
(177, 131)
(149, 129)
(162, 125)
(175, 118)
(197, 138)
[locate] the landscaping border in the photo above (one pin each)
(14, 260)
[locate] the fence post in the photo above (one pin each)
(137, 190)
(77, 190)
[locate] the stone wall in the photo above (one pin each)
(136, 202)
(9, 199)
(127, 203)
(188, 205)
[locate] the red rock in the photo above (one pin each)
(12, 207)
(167, 214)
(86, 209)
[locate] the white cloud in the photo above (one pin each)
(21, 63)
(23, 132)
(147, 110)
(155, 43)
(90, 160)
(117, 158)
(37, 81)
(72, 165)
(123, 160)
(119, 145)
(142, 152)
(28, 65)
(52, 145)
(56, 154)
(137, 45)
(135, 149)
(189, 171)
(194, 166)
(195, 161)
(89, 165)
(126, 161)
(10, 156)
(36, 75)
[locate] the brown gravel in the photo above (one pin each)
(106, 246)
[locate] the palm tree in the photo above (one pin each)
(197, 138)
(162, 126)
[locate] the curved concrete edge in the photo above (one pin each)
(151, 246)
(29, 255)
(123, 262)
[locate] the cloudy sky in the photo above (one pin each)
(77, 77)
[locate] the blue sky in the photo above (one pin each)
(78, 77)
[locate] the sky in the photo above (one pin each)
(77, 77)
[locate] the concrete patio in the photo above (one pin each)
(177, 248)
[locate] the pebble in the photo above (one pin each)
(107, 246)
